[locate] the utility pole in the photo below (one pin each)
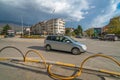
(22, 24)
(29, 29)
(53, 22)
(53, 26)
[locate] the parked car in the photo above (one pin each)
(95, 37)
(111, 37)
(64, 43)
(78, 36)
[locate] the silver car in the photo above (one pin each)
(64, 43)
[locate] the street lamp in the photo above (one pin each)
(22, 24)
(53, 27)
(53, 22)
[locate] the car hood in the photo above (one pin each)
(78, 43)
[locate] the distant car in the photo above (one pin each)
(78, 36)
(110, 37)
(94, 37)
(64, 43)
(9, 36)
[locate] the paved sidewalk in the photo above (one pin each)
(12, 70)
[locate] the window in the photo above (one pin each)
(65, 40)
(48, 38)
(57, 38)
(53, 38)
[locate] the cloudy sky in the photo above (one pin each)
(88, 13)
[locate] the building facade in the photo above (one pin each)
(39, 28)
(50, 27)
(94, 32)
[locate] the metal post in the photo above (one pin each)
(53, 22)
(53, 26)
(22, 24)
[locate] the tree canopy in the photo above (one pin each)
(79, 30)
(5, 29)
(114, 25)
(68, 32)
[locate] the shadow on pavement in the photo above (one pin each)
(60, 52)
(22, 67)
(37, 47)
(43, 49)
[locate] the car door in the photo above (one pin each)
(65, 44)
(52, 42)
(57, 43)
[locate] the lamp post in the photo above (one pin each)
(22, 24)
(29, 29)
(53, 26)
(53, 22)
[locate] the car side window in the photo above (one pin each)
(48, 38)
(57, 38)
(61, 38)
(53, 38)
(65, 40)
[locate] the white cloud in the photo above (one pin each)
(109, 12)
(50, 5)
(72, 9)
(69, 8)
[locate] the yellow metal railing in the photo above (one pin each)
(49, 65)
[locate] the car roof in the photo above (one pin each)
(110, 34)
(57, 35)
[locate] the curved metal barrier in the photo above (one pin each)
(60, 77)
(79, 72)
(13, 48)
(31, 60)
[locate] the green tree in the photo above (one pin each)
(76, 32)
(90, 32)
(79, 30)
(73, 33)
(114, 25)
(68, 32)
(5, 29)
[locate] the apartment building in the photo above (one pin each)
(39, 28)
(50, 27)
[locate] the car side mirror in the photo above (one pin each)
(67, 41)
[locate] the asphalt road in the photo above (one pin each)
(94, 46)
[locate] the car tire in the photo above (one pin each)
(48, 47)
(75, 51)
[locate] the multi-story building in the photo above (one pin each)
(52, 26)
(39, 28)
(71, 29)
(26, 30)
(55, 26)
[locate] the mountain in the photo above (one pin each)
(12, 22)
(14, 26)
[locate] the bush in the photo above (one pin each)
(33, 36)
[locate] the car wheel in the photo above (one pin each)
(75, 51)
(48, 47)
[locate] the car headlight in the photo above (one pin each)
(84, 47)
